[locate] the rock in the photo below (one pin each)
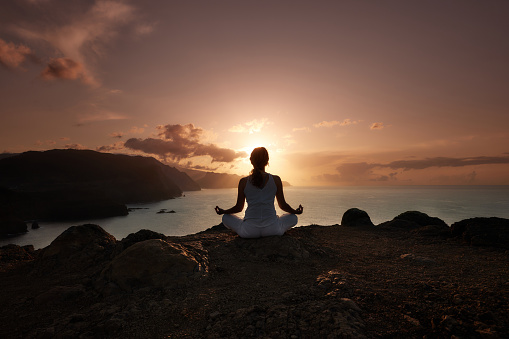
(12, 225)
(35, 225)
(412, 220)
(154, 263)
(134, 238)
(483, 231)
(273, 248)
(59, 294)
(434, 230)
(14, 254)
(79, 246)
(217, 228)
(309, 319)
(356, 217)
(417, 259)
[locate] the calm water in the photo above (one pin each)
(322, 206)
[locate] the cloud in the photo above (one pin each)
(355, 171)
(445, 162)
(74, 146)
(67, 69)
(253, 126)
(364, 171)
(12, 56)
(137, 130)
(113, 147)
(301, 129)
(76, 32)
(99, 115)
(180, 142)
(377, 126)
(118, 135)
(332, 123)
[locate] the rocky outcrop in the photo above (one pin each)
(12, 255)
(483, 231)
(150, 285)
(419, 222)
(79, 247)
(153, 263)
(356, 217)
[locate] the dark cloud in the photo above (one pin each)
(108, 148)
(444, 162)
(180, 142)
(361, 171)
(68, 69)
(118, 135)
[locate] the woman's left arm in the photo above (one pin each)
(280, 196)
(241, 197)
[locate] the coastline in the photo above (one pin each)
(358, 281)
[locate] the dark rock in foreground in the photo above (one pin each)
(483, 231)
(356, 217)
(79, 247)
(413, 220)
(153, 263)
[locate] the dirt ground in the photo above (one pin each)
(327, 281)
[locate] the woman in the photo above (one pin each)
(259, 190)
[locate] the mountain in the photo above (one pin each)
(59, 184)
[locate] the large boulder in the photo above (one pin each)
(413, 220)
(12, 225)
(153, 263)
(356, 217)
(483, 231)
(80, 246)
(134, 238)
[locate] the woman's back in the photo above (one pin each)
(260, 202)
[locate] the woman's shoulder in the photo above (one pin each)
(276, 178)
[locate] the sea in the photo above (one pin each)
(194, 211)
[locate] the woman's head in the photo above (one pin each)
(259, 158)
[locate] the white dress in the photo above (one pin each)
(260, 219)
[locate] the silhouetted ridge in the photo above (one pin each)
(76, 179)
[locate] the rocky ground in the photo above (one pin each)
(313, 282)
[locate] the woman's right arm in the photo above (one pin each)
(280, 196)
(241, 198)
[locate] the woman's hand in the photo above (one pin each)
(299, 210)
(220, 210)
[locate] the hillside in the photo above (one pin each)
(59, 184)
(397, 280)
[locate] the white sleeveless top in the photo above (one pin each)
(260, 210)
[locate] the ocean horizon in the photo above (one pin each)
(194, 211)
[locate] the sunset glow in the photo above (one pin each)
(339, 92)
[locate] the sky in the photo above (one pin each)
(339, 92)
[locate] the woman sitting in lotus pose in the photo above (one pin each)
(259, 190)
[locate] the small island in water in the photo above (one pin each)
(413, 276)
